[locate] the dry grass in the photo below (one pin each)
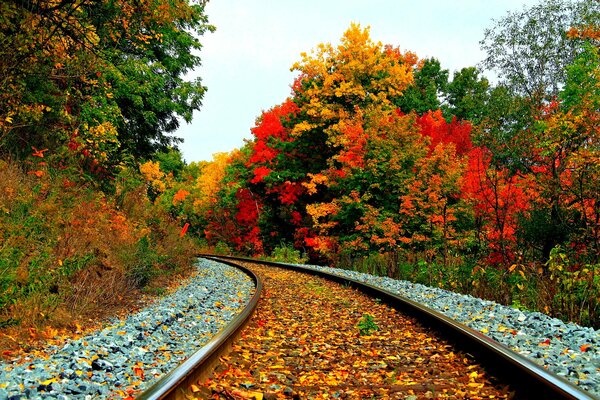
(71, 256)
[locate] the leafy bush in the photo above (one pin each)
(286, 253)
(562, 288)
(70, 251)
(222, 248)
(575, 289)
(141, 264)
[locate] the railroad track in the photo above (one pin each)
(506, 373)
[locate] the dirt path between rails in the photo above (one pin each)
(305, 342)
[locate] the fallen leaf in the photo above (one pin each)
(585, 347)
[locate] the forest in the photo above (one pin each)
(378, 161)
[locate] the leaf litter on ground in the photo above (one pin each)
(305, 341)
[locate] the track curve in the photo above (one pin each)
(175, 384)
(530, 379)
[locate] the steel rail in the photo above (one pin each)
(176, 384)
(530, 379)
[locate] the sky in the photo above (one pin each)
(246, 62)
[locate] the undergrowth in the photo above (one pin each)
(70, 252)
(560, 288)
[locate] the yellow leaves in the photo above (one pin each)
(153, 175)
(320, 210)
(356, 72)
(99, 141)
(315, 179)
(50, 332)
(302, 127)
(303, 342)
(209, 181)
(194, 389)
(48, 382)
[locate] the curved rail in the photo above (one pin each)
(176, 383)
(531, 380)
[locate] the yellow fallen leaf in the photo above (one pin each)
(194, 389)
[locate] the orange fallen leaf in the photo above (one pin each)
(585, 347)
(138, 371)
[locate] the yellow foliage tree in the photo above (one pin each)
(209, 181)
(153, 175)
(335, 83)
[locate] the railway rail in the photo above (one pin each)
(526, 378)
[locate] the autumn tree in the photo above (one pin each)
(96, 80)
(527, 128)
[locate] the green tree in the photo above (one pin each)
(428, 88)
(467, 96)
(171, 162)
(529, 50)
(97, 80)
(535, 117)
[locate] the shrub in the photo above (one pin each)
(71, 251)
(288, 254)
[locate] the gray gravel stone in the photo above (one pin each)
(522, 331)
(154, 340)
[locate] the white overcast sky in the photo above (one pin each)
(246, 62)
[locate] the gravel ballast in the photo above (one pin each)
(130, 354)
(569, 350)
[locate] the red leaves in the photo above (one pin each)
(498, 197)
(289, 192)
(270, 122)
(38, 153)
(296, 218)
(260, 173)
(247, 207)
(262, 153)
(585, 347)
(248, 233)
(544, 343)
(138, 370)
(354, 139)
(268, 132)
(456, 132)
